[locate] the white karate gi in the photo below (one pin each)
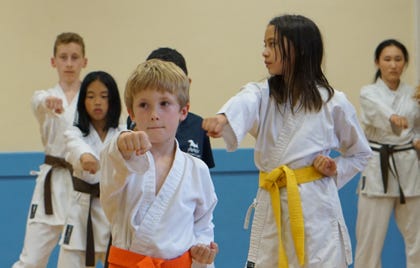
(283, 138)
(375, 206)
(43, 231)
(73, 239)
(163, 225)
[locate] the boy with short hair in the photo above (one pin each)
(190, 135)
(158, 199)
(55, 110)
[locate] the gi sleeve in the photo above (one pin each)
(242, 113)
(354, 147)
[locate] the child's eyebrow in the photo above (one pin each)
(270, 39)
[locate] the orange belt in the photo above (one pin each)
(121, 258)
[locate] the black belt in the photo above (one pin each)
(54, 162)
(387, 151)
(92, 189)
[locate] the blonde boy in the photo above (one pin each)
(54, 109)
(159, 200)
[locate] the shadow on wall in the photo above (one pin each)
(235, 178)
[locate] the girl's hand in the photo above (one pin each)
(417, 95)
(214, 125)
(89, 163)
(325, 165)
(204, 253)
(399, 121)
(416, 144)
(133, 141)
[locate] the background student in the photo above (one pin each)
(87, 230)
(54, 109)
(297, 119)
(390, 117)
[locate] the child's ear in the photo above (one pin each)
(53, 62)
(85, 62)
(131, 114)
(184, 112)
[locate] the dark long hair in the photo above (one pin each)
(114, 102)
(301, 48)
(382, 46)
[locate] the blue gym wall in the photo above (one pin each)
(235, 179)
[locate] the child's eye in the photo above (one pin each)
(164, 103)
(270, 44)
(142, 105)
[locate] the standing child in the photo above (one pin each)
(54, 109)
(297, 119)
(390, 116)
(86, 233)
(158, 199)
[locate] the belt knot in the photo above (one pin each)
(272, 181)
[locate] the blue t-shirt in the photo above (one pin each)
(192, 138)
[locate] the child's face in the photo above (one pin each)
(391, 63)
(96, 101)
(69, 61)
(271, 52)
(158, 114)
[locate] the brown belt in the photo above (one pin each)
(92, 189)
(386, 151)
(54, 162)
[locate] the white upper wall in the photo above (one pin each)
(221, 40)
(417, 47)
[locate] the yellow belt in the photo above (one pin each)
(285, 177)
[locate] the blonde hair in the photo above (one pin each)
(67, 38)
(158, 75)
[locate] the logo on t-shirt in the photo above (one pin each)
(193, 148)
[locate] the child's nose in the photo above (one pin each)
(154, 115)
(265, 52)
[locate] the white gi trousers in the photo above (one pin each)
(263, 255)
(40, 241)
(368, 251)
(76, 258)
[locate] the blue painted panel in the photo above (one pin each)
(15, 196)
(235, 193)
(235, 179)
(16, 187)
(19, 164)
